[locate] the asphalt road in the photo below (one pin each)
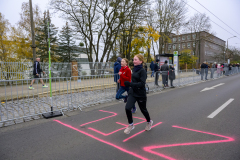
(182, 129)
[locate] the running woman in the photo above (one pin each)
(137, 93)
(125, 75)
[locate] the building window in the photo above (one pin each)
(183, 45)
(174, 46)
(174, 39)
(179, 39)
(169, 47)
(179, 46)
(183, 38)
(206, 45)
(162, 46)
(193, 44)
(188, 45)
(188, 37)
(194, 36)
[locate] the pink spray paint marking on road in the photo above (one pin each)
(114, 114)
(122, 124)
(107, 134)
(140, 132)
(150, 148)
(103, 141)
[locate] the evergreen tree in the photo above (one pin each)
(67, 45)
(42, 39)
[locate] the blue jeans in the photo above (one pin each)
(152, 75)
(121, 91)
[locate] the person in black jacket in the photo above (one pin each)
(156, 70)
(37, 73)
(172, 75)
(203, 69)
(137, 93)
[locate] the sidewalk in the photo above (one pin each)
(63, 85)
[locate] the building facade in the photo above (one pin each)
(205, 46)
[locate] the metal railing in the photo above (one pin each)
(24, 70)
(19, 103)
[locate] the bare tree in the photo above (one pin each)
(199, 25)
(97, 22)
(170, 17)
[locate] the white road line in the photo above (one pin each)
(220, 108)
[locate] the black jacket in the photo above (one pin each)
(36, 68)
(172, 73)
(203, 65)
(138, 83)
(156, 67)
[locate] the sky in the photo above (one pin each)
(227, 11)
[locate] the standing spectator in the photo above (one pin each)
(117, 67)
(164, 69)
(219, 70)
(37, 73)
(203, 66)
(222, 69)
(237, 67)
(225, 69)
(213, 69)
(206, 71)
(171, 75)
(152, 65)
(230, 69)
(156, 70)
(137, 93)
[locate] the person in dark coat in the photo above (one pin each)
(137, 93)
(206, 70)
(156, 70)
(164, 69)
(171, 75)
(152, 65)
(203, 66)
(117, 67)
(213, 69)
(37, 73)
(230, 69)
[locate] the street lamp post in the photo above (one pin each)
(227, 47)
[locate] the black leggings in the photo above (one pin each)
(142, 101)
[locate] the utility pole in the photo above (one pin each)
(33, 33)
(227, 47)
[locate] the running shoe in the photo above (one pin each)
(149, 125)
(45, 86)
(134, 110)
(128, 129)
(30, 87)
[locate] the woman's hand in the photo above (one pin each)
(119, 73)
(118, 81)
